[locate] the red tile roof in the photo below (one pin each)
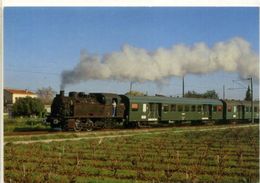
(14, 91)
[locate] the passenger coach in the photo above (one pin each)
(144, 109)
(235, 110)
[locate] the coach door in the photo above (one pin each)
(206, 112)
(153, 112)
(210, 111)
(241, 111)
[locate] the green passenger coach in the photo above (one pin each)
(248, 110)
(239, 110)
(171, 110)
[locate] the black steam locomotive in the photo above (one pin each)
(80, 111)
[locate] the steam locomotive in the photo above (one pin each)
(79, 111)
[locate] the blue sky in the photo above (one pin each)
(39, 43)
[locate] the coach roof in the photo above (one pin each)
(170, 100)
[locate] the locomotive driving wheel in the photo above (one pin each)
(78, 126)
(88, 126)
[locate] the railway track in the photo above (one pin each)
(101, 130)
(68, 136)
(118, 129)
(98, 131)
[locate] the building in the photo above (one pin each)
(11, 95)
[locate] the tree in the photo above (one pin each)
(28, 106)
(135, 93)
(208, 94)
(192, 94)
(248, 94)
(46, 95)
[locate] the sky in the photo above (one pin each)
(40, 43)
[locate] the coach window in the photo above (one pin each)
(173, 107)
(180, 108)
(144, 108)
(235, 108)
(193, 108)
(205, 108)
(219, 108)
(166, 108)
(229, 108)
(214, 108)
(186, 108)
(199, 108)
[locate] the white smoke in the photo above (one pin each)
(139, 65)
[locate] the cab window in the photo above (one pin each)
(134, 107)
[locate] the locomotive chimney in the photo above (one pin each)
(62, 93)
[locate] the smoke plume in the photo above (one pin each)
(139, 65)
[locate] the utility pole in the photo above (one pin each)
(252, 100)
(183, 86)
(131, 84)
(223, 92)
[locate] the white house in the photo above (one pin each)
(11, 95)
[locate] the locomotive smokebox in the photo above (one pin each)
(62, 93)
